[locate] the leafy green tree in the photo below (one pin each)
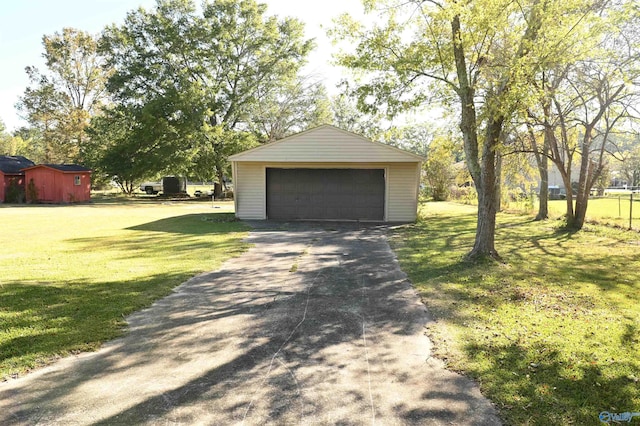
(32, 144)
(43, 107)
(583, 107)
(370, 124)
(296, 106)
(78, 70)
(439, 169)
(59, 103)
(630, 167)
(480, 55)
(193, 82)
(11, 145)
(112, 150)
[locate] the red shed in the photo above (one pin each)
(58, 183)
(11, 174)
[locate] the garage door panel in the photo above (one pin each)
(348, 194)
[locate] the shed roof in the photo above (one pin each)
(65, 168)
(327, 143)
(11, 165)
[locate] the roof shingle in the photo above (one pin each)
(67, 167)
(13, 164)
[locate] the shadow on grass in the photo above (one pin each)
(550, 335)
(47, 320)
(158, 238)
(538, 386)
(195, 224)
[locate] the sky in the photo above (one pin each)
(24, 22)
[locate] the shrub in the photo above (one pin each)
(15, 193)
(32, 192)
(438, 169)
(465, 194)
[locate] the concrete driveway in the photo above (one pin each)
(316, 324)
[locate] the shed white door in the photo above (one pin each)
(325, 194)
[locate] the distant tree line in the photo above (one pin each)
(173, 90)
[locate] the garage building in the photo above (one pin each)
(326, 174)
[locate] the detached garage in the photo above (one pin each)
(326, 174)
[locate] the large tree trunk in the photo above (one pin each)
(566, 179)
(580, 213)
(484, 244)
(582, 195)
(482, 171)
(542, 160)
(543, 206)
(487, 196)
(498, 188)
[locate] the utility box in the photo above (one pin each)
(172, 185)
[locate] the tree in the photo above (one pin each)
(439, 169)
(296, 106)
(417, 138)
(597, 122)
(193, 82)
(59, 103)
(31, 144)
(582, 133)
(541, 154)
(581, 104)
(630, 167)
(11, 145)
(370, 124)
(480, 55)
(44, 108)
(112, 151)
(517, 172)
(78, 70)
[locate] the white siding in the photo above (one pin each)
(250, 191)
(400, 193)
(326, 144)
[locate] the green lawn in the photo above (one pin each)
(553, 335)
(612, 210)
(70, 274)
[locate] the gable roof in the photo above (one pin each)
(11, 165)
(65, 168)
(327, 143)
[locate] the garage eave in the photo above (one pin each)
(326, 144)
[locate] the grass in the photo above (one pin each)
(70, 274)
(553, 336)
(611, 210)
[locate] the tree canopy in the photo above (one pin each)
(192, 81)
(11, 145)
(59, 102)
